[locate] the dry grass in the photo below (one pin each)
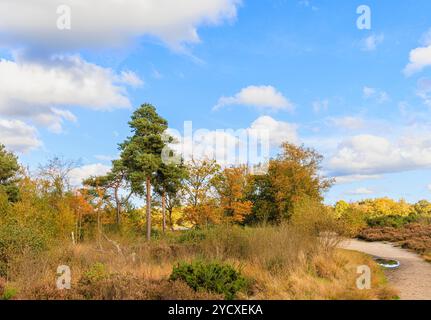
(281, 262)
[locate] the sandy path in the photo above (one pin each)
(412, 278)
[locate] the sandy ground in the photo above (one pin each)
(412, 278)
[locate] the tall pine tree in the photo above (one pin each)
(141, 153)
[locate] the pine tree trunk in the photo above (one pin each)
(118, 218)
(164, 211)
(171, 224)
(118, 204)
(148, 209)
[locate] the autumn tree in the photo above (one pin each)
(9, 168)
(292, 176)
(55, 174)
(340, 208)
(200, 192)
(141, 153)
(384, 207)
(232, 187)
(116, 186)
(423, 208)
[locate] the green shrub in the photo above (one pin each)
(97, 272)
(8, 293)
(212, 277)
(16, 240)
(226, 242)
(392, 221)
(193, 236)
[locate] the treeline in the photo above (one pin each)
(381, 212)
(197, 193)
(203, 192)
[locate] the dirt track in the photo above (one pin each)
(412, 278)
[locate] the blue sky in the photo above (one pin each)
(360, 97)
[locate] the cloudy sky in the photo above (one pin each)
(301, 68)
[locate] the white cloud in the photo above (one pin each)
(40, 92)
(261, 97)
(109, 22)
(419, 59)
(231, 147)
(429, 187)
(355, 178)
(370, 43)
(360, 192)
(212, 144)
(131, 78)
(368, 92)
(18, 136)
(77, 175)
(279, 131)
(378, 95)
(370, 154)
(320, 105)
(348, 122)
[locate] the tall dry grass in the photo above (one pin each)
(283, 262)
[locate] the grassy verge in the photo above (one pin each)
(275, 262)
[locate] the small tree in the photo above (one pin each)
(141, 153)
(9, 168)
(200, 192)
(232, 189)
(113, 183)
(292, 176)
(56, 174)
(168, 183)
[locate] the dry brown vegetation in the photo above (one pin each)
(270, 235)
(280, 263)
(413, 236)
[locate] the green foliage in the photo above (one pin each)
(312, 216)
(292, 176)
(213, 277)
(193, 236)
(380, 212)
(169, 178)
(141, 153)
(97, 272)
(4, 203)
(17, 240)
(262, 195)
(352, 220)
(8, 293)
(394, 221)
(8, 173)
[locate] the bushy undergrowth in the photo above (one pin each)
(392, 221)
(16, 240)
(212, 277)
(283, 262)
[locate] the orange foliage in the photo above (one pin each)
(232, 191)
